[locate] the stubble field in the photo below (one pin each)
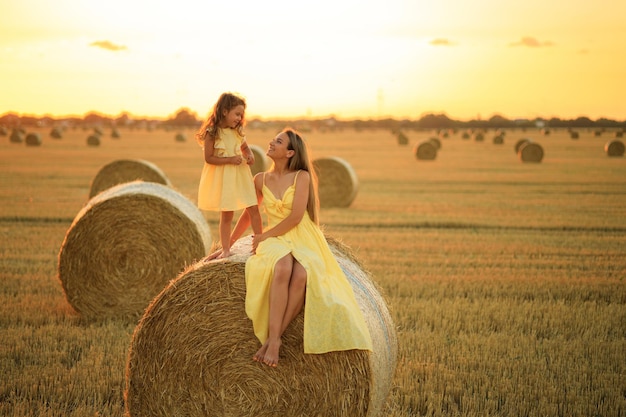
(506, 280)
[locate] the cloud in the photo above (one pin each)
(108, 45)
(531, 42)
(441, 42)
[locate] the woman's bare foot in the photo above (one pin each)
(271, 354)
(258, 356)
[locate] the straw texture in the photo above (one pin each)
(614, 148)
(125, 245)
(191, 353)
(126, 170)
(338, 183)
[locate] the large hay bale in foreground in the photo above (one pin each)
(530, 152)
(33, 139)
(191, 353)
(614, 148)
(425, 151)
(126, 170)
(125, 245)
(260, 159)
(338, 183)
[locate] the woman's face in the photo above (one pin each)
(279, 147)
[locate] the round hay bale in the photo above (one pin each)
(56, 133)
(126, 170)
(33, 139)
(598, 133)
(402, 139)
(619, 134)
(436, 142)
(479, 137)
(260, 159)
(614, 148)
(180, 137)
(498, 139)
(125, 245)
(115, 134)
(425, 151)
(338, 183)
(98, 131)
(574, 135)
(519, 144)
(530, 152)
(16, 136)
(93, 140)
(465, 135)
(3, 131)
(191, 352)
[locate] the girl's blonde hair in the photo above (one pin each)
(301, 160)
(223, 105)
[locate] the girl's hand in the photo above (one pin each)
(236, 160)
(250, 158)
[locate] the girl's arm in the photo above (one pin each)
(210, 158)
(300, 200)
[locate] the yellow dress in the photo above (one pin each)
(226, 187)
(333, 320)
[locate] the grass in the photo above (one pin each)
(506, 280)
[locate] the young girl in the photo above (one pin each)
(226, 183)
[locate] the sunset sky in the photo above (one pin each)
(351, 59)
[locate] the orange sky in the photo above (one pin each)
(351, 59)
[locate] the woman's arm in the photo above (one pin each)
(210, 158)
(300, 200)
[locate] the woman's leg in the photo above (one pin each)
(295, 302)
(226, 218)
(279, 297)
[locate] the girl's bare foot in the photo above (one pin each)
(225, 254)
(258, 356)
(271, 354)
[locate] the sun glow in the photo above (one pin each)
(350, 58)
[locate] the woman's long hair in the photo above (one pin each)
(301, 160)
(222, 106)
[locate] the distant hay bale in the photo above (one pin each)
(479, 137)
(465, 135)
(614, 148)
(125, 245)
(574, 135)
(126, 170)
(598, 133)
(436, 142)
(546, 132)
(425, 151)
(3, 131)
(402, 139)
(498, 139)
(260, 159)
(98, 131)
(180, 137)
(619, 134)
(56, 133)
(16, 136)
(530, 152)
(93, 140)
(115, 134)
(33, 139)
(519, 144)
(191, 352)
(338, 183)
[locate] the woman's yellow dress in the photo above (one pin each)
(226, 187)
(333, 320)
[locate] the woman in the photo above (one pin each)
(292, 267)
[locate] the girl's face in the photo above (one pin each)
(234, 116)
(279, 147)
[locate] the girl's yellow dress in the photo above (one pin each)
(333, 320)
(226, 187)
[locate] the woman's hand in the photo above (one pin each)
(256, 239)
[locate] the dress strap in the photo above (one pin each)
(295, 178)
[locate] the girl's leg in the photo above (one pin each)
(279, 293)
(226, 218)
